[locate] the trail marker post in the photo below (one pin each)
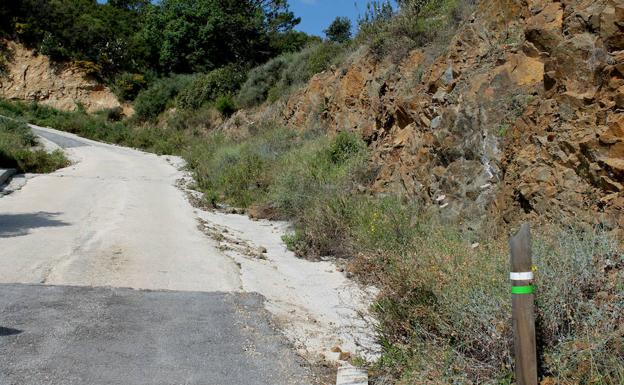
(522, 297)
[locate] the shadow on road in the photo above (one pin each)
(16, 225)
(8, 332)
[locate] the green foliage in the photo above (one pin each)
(225, 105)
(579, 305)
(99, 127)
(128, 85)
(208, 87)
(417, 23)
(279, 75)
(16, 150)
(292, 41)
(276, 166)
(238, 172)
(444, 306)
(90, 68)
(260, 80)
(180, 36)
(339, 30)
(79, 30)
(160, 95)
(199, 36)
(502, 130)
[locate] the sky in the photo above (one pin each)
(317, 15)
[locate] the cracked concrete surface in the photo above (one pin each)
(113, 218)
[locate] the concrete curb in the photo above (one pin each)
(6, 174)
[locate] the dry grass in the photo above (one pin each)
(444, 309)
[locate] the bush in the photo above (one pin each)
(127, 86)
(199, 120)
(160, 95)
(261, 79)
(208, 87)
(239, 172)
(418, 23)
(16, 150)
(277, 77)
(99, 127)
(89, 68)
(339, 30)
(580, 307)
(444, 308)
(312, 186)
(225, 105)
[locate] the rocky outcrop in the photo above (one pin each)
(521, 118)
(34, 77)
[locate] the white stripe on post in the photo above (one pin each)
(522, 276)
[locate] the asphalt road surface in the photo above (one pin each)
(77, 335)
(71, 240)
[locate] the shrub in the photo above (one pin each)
(127, 85)
(275, 78)
(160, 95)
(239, 172)
(580, 307)
(208, 87)
(201, 119)
(320, 167)
(418, 23)
(225, 105)
(276, 166)
(339, 30)
(99, 127)
(444, 308)
(90, 68)
(16, 150)
(313, 185)
(261, 79)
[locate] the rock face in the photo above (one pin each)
(35, 78)
(521, 118)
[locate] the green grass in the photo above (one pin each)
(17, 150)
(100, 127)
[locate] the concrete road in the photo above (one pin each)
(52, 335)
(116, 219)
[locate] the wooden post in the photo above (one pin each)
(522, 307)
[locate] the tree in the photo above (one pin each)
(200, 35)
(339, 30)
(164, 36)
(133, 5)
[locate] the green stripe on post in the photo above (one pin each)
(530, 289)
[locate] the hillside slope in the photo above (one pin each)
(32, 77)
(519, 118)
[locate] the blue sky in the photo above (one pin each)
(316, 15)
